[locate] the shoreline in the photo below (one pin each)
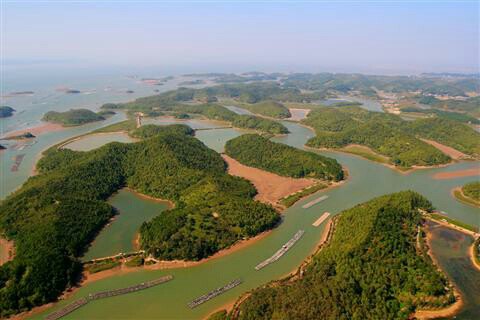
(42, 128)
(450, 310)
(164, 264)
(324, 237)
(388, 165)
(474, 203)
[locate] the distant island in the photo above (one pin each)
(75, 117)
(6, 111)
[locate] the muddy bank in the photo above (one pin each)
(457, 174)
(271, 187)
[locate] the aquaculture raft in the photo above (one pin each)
(322, 218)
(281, 251)
(105, 294)
(214, 293)
(314, 202)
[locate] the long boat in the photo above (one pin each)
(277, 255)
(314, 202)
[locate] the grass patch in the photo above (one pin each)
(135, 262)
(290, 200)
(441, 217)
(103, 265)
(366, 153)
(126, 125)
(462, 198)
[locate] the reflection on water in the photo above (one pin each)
(451, 249)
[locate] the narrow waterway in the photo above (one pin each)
(367, 180)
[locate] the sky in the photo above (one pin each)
(230, 36)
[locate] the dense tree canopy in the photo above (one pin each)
(472, 190)
(256, 151)
(73, 117)
(375, 272)
(56, 214)
(390, 135)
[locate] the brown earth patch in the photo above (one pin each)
(457, 174)
(271, 187)
(449, 151)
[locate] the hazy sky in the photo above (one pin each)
(374, 37)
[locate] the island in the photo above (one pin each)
(6, 111)
(388, 138)
(256, 151)
(348, 274)
(468, 193)
(74, 117)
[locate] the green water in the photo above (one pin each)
(120, 234)
(451, 249)
(367, 180)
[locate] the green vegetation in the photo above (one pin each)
(73, 117)
(441, 217)
(469, 106)
(448, 132)
(54, 216)
(256, 151)
(366, 153)
(150, 130)
(268, 108)
(476, 250)
(136, 261)
(461, 117)
(290, 200)
(103, 265)
(6, 111)
(374, 272)
(469, 193)
(219, 315)
(472, 190)
(385, 134)
(127, 125)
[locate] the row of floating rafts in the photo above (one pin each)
(277, 255)
(105, 294)
(212, 294)
(314, 202)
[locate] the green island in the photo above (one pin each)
(469, 193)
(75, 117)
(170, 102)
(6, 111)
(391, 136)
(55, 215)
(376, 272)
(256, 151)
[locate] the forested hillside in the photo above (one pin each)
(391, 136)
(73, 117)
(56, 214)
(375, 272)
(256, 151)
